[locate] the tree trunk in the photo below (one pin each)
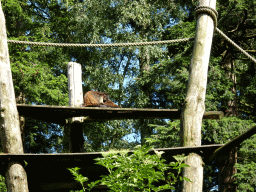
(193, 110)
(227, 169)
(144, 63)
(146, 131)
(232, 110)
(16, 178)
(226, 172)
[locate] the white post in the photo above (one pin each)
(76, 140)
(75, 84)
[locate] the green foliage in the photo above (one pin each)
(246, 171)
(42, 137)
(245, 178)
(138, 171)
(165, 136)
(218, 87)
(101, 136)
(224, 130)
(78, 177)
(2, 184)
(146, 77)
(220, 131)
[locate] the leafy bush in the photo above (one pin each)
(139, 171)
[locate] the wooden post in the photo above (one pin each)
(193, 110)
(76, 140)
(16, 177)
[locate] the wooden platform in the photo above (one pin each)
(58, 114)
(51, 169)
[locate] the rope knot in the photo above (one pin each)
(210, 11)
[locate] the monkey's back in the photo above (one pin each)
(91, 99)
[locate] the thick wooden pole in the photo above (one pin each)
(192, 113)
(16, 177)
(76, 140)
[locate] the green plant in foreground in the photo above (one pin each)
(78, 177)
(136, 172)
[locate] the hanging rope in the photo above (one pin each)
(101, 45)
(235, 45)
(214, 14)
(200, 9)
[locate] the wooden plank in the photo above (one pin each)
(58, 114)
(65, 156)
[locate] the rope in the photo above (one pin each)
(101, 45)
(200, 9)
(214, 14)
(235, 45)
(210, 11)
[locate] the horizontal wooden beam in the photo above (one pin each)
(58, 114)
(66, 156)
(55, 165)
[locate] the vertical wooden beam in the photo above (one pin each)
(76, 140)
(193, 110)
(16, 177)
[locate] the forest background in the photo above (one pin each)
(134, 77)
